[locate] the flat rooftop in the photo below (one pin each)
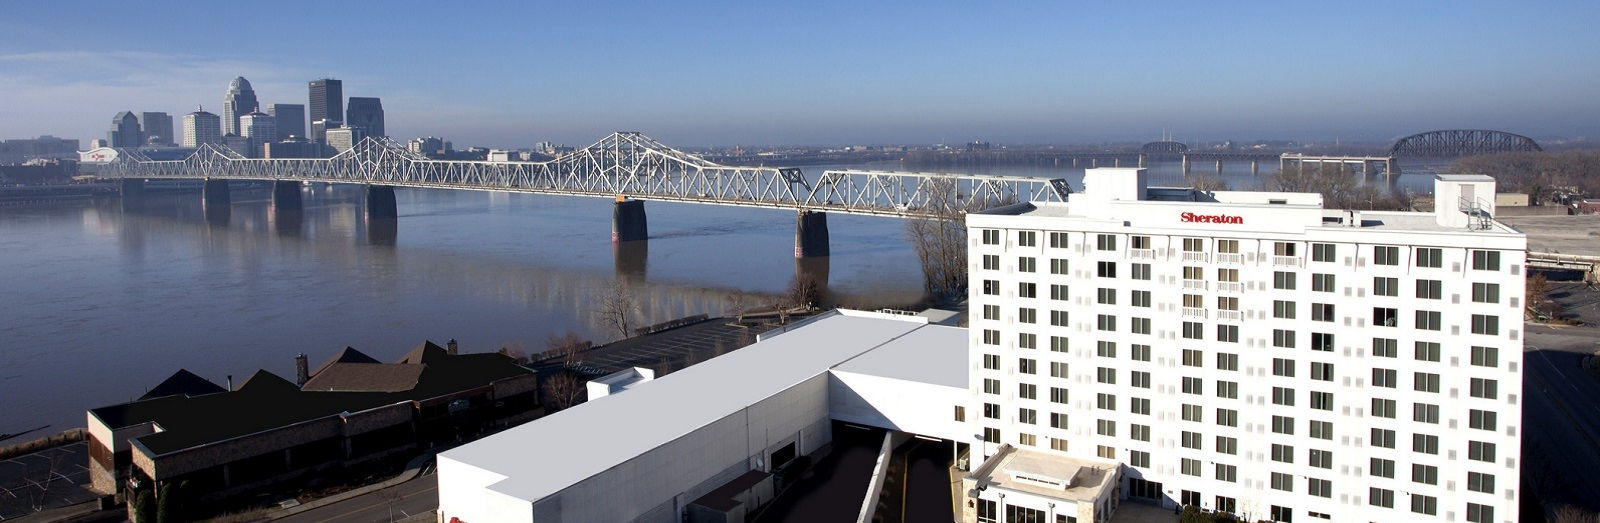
(1560, 234)
(1050, 475)
(545, 456)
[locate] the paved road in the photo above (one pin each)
(834, 487)
(411, 498)
(927, 496)
(46, 479)
(1561, 405)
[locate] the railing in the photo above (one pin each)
(1230, 315)
(1194, 284)
(1194, 312)
(1286, 261)
(1142, 254)
(1194, 256)
(1230, 286)
(1223, 257)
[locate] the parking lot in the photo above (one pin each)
(44, 480)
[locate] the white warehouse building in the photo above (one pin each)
(1250, 352)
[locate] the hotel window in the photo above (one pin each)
(1228, 275)
(1424, 474)
(1430, 257)
(1321, 371)
(1428, 320)
(1283, 396)
(1105, 427)
(1141, 298)
(1139, 352)
(1322, 312)
(1193, 330)
(1193, 358)
(1139, 406)
(1283, 249)
(1425, 413)
(988, 512)
(1228, 246)
(991, 386)
(1322, 252)
(1027, 439)
(1479, 513)
(991, 287)
(1028, 416)
(1058, 444)
(1058, 318)
(1283, 280)
(1283, 367)
(1105, 242)
(1058, 344)
(1430, 289)
(991, 262)
(1384, 378)
(1319, 487)
(1105, 296)
(1378, 497)
(1425, 382)
(1385, 255)
(1106, 375)
(1138, 458)
(1139, 242)
(1425, 443)
(991, 434)
(1194, 273)
(1480, 451)
(1485, 356)
(1058, 395)
(1322, 282)
(1026, 238)
(1058, 420)
(1027, 315)
(1383, 438)
(1058, 266)
(1228, 333)
(1058, 369)
(1427, 351)
(1284, 482)
(1141, 271)
(1027, 340)
(1283, 425)
(1106, 452)
(1026, 264)
(1383, 408)
(1027, 391)
(1485, 324)
(1027, 290)
(961, 413)
(1486, 260)
(991, 361)
(991, 312)
(1106, 269)
(1385, 317)
(1195, 245)
(1282, 453)
(1321, 429)
(1484, 388)
(1480, 482)
(1027, 366)
(991, 237)
(1227, 361)
(1105, 322)
(1190, 440)
(1190, 467)
(1193, 385)
(1486, 293)
(1481, 419)
(1193, 301)
(1284, 514)
(1058, 292)
(1228, 389)
(1322, 400)
(991, 337)
(1283, 309)
(1382, 286)
(1384, 347)
(991, 410)
(1194, 413)
(1105, 349)
(1228, 417)
(1227, 445)
(1383, 468)
(1283, 338)
(1322, 341)
(1227, 303)
(1058, 240)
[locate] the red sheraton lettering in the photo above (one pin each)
(1190, 217)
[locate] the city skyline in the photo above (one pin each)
(840, 73)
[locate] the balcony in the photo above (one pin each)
(1230, 315)
(1230, 286)
(1194, 284)
(1285, 261)
(1194, 312)
(1230, 258)
(1191, 256)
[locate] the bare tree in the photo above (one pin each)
(563, 390)
(515, 352)
(738, 305)
(1571, 514)
(618, 306)
(1206, 182)
(805, 291)
(566, 346)
(940, 240)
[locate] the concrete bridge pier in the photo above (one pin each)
(1219, 168)
(1141, 160)
(628, 221)
(1116, 162)
(1074, 162)
(811, 280)
(132, 194)
(1185, 165)
(631, 259)
(286, 196)
(1255, 168)
(811, 234)
(380, 202)
(216, 201)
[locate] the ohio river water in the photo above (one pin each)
(99, 304)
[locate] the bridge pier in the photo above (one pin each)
(631, 260)
(216, 201)
(1141, 160)
(1074, 162)
(1255, 168)
(1185, 165)
(380, 202)
(811, 280)
(132, 190)
(811, 234)
(1219, 167)
(628, 221)
(1116, 162)
(286, 196)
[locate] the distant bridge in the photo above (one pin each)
(622, 165)
(1461, 142)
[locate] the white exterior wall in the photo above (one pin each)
(906, 406)
(467, 495)
(1352, 356)
(657, 484)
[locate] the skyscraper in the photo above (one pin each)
(124, 130)
(239, 101)
(260, 129)
(157, 129)
(327, 101)
(201, 127)
(367, 113)
(290, 119)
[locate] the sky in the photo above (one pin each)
(825, 73)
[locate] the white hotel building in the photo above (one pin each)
(1251, 352)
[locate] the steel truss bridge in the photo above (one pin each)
(622, 164)
(1462, 142)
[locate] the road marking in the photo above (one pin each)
(342, 517)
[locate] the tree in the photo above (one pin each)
(169, 505)
(738, 305)
(1206, 182)
(514, 352)
(563, 390)
(618, 306)
(566, 346)
(144, 507)
(805, 291)
(939, 239)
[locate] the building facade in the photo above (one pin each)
(157, 129)
(240, 100)
(344, 138)
(290, 119)
(124, 130)
(201, 127)
(21, 150)
(366, 113)
(1254, 353)
(260, 129)
(326, 102)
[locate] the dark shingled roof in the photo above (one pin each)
(266, 401)
(348, 355)
(183, 383)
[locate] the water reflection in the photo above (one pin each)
(632, 258)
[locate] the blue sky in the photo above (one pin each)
(723, 73)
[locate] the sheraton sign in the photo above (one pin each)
(1190, 217)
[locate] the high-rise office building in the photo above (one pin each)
(201, 127)
(239, 101)
(157, 129)
(366, 113)
(327, 101)
(260, 129)
(290, 119)
(319, 129)
(344, 138)
(124, 130)
(1253, 353)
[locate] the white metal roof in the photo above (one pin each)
(542, 457)
(934, 354)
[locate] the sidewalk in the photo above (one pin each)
(413, 469)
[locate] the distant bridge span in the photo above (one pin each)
(1461, 142)
(622, 164)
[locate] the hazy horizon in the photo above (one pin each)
(506, 75)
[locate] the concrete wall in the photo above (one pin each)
(917, 408)
(467, 495)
